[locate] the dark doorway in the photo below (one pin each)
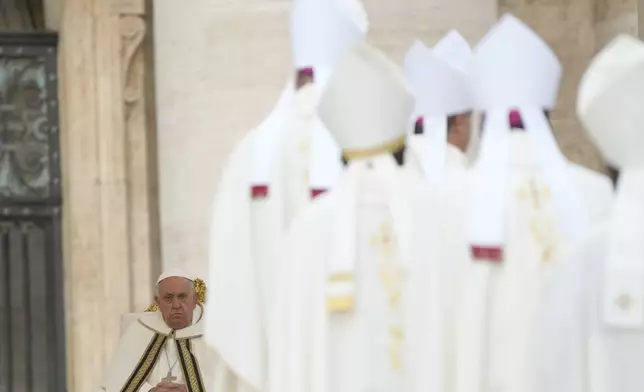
(32, 357)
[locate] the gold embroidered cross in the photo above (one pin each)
(383, 239)
(169, 377)
(303, 147)
(537, 194)
(623, 302)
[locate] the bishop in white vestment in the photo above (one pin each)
(440, 76)
(527, 205)
(164, 350)
(275, 171)
(357, 302)
(609, 262)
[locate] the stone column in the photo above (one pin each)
(568, 27)
(109, 237)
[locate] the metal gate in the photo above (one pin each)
(32, 357)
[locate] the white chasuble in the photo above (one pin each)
(250, 217)
(609, 265)
(373, 337)
(513, 331)
(149, 351)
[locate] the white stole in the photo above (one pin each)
(623, 294)
(487, 229)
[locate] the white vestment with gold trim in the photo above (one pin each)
(392, 338)
(521, 317)
(246, 232)
(137, 339)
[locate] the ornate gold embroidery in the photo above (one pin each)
(537, 194)
(623, 302)
(542, 228)
(544, 233)
(145, 364)
(397, 336)
(340, 304)
(383, 240)
(190, 367)
(392, 278)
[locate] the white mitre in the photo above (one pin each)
(321, 30)
(366, 105)
(365, 82)
(514, 69)
(414, 72)
(609, 104)
(445, 92)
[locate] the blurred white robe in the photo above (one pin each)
(510, 329)
(613, 331)
(392, 339)
(245, 234)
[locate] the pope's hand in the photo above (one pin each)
(167, 386)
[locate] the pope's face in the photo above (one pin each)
(177, 301)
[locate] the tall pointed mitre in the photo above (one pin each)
(321, 30)
(513, 69)
(414, 71)
(366, 105)
(347, 22)
(609, 104)
(444, 82)
(365, 82)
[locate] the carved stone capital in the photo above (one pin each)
(132, 31)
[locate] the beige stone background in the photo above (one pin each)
(155, 94)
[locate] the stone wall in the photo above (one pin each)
(109, 213)
(613, 18)
(220, 68)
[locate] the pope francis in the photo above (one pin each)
(163, 351)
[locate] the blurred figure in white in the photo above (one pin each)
(355, 309)
(445, 102)
(274, 172)
(610, 261)
(527, 204)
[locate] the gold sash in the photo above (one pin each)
(146, 364)
(189, 365)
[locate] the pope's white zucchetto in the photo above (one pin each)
(175, 272)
